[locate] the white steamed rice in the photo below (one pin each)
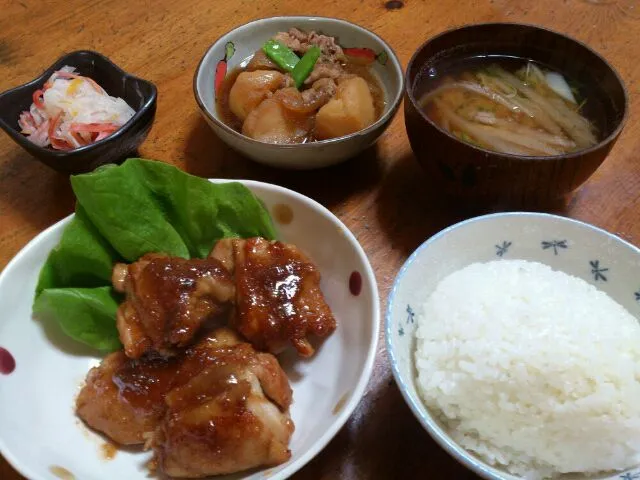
(532, 369)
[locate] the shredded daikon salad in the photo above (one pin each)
(71, 111)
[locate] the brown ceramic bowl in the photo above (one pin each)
(483, 177)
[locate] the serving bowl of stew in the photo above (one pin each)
(299, 92)
(509, 115)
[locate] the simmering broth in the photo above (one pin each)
(301, 87)
(363, 71)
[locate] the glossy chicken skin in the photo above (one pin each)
(124, 398)
(168, 300)
(278, 296)
(230, 416)
(218, 407)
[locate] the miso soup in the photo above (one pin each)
(511, 105)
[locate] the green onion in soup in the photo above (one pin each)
(529, 111)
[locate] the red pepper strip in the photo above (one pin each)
(93, 127)
(78, 138)
(56, 142)
(53, 124)
(37, 99)
(102, 135)
(64, 145)
(360, 56)
(363, 53)
(221, 73)
(37, 96)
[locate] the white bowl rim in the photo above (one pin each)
(359, 389)
(415, 404)
(393, 105)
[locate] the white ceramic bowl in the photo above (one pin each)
(249, 38)
(38, 428)
(579, 249)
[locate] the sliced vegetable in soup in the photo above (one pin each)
(511, 106)
(300, 87)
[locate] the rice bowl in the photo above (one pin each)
(532, 376)
(599, 258)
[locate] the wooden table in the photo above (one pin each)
(379, 195)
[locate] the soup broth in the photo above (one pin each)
(510, 105)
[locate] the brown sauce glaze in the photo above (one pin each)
(173, 280)
(219, 380)
(61, 472)
(272, 287)
(340, 403)
(283, 213)
(144, 383)
(109, 450)
(209, 406)
(169, 299)
(279, 297)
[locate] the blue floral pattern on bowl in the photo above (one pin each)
(635, 475)
(600, 258)
(555, 244)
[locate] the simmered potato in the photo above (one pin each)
(251, 88)
(270, 122)
(349, 111)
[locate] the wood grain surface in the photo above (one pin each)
(381, 195)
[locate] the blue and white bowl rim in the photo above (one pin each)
(414, 403)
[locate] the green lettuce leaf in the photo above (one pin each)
(144, 206)
(87, 315)
(82, 258)
(123, 212)
(202, 212)
(119, 203)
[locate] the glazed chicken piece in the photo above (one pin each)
(278, 296)
(168, 300)
(124, 398)
(218, 407)
(231, 415)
